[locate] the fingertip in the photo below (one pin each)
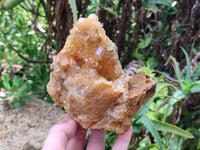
(70, 128)
(65, 119)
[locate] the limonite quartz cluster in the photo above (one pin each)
(88, 81)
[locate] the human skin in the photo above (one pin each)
(68, 135)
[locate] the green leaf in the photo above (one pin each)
(9, 4)
(29, 82)
(188, 74)
(110, 10)
(13, 89)
(110, 138)
(147, 122)
(178, 95)
(17, 81)
(17, 103)
(136, 128)
(72, 4)
(144, 43)
(28, 98)
(156, 2)
(163, 126)
(152, 62)
(196, 72)
(197, 82)
(8, 94)
(137, 55)
(6, 82)
(24, 89)
(178, 72)
(195, 89)
(160, 86)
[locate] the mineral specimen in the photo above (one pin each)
(88, 81)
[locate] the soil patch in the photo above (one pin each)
(26, 128)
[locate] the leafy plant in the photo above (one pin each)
(150, 121)
(17, 89)
(156, 108)
(22, 42)
(187, 86)
(40, 77)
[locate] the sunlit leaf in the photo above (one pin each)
(149, 125)
(72, 4)
(178, 95)
(160, 86)
(9, 4)
(6, 82)
(144, 43)
(163, 126)
(17, 81)
(188, 74)
(195, 89)
(110, 10)
(178, 72)
(161, 2)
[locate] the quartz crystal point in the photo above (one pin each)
(88, 81)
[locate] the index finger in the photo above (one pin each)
(123, 140)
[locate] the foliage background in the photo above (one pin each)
(152, 31)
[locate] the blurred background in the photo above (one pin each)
(160, 37)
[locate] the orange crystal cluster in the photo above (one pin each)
(88, 81)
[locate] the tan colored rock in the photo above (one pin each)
(88, 81)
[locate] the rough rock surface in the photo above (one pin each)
(88, 81)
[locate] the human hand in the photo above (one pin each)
(68, 135)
